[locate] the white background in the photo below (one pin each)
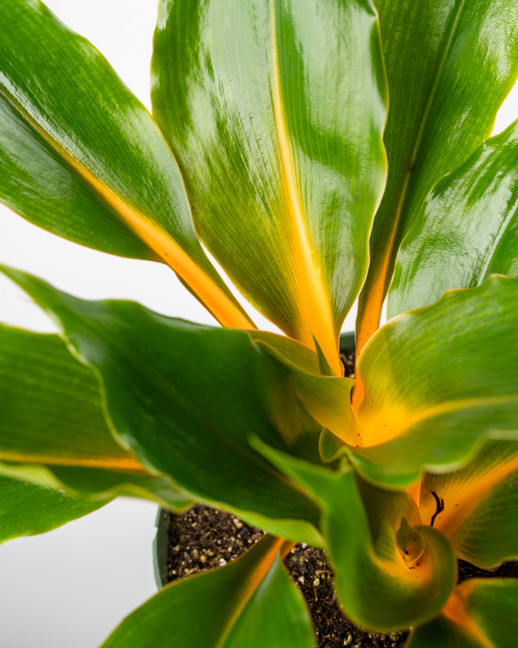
(70, 587)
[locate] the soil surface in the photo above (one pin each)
(203, 538)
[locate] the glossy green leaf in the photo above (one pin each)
(99, 484)
(52, 428)
(480, 614)
(391, 572)
(42, 385)
(480, 515)
(438, 381)
(466, 230)
(275, 111)
(27, 509)
(444, 633)
(288, 351)
(327, 398)
(492, 606)
(450, 64)
(251, 602)
(81, 157)
(186, 398)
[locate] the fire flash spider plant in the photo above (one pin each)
(322, 150)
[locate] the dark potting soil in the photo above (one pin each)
(203, 538)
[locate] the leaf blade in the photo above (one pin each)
(27, 509)
(454, 388)
(264, 134)
(480, 504)
(448, 73)
(465, 231)
(485, 609)
(253, 593)
(53, 430)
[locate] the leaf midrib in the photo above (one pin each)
(123, 464)
(311, 294)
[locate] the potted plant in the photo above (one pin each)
(272, 142)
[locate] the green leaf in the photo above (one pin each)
(450, 64)
(53, 431)
(185, 399)
(439, 381)
(466, 230)
(273, 114)
(444, 633)
(81, 157)
(492, 605)
(251, 602)
(97, 484)
(481, 613)
(288, 351)
(27, 509)
(391, 572)
(327, 398)
(480, 505)
(47, 395)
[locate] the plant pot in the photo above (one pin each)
(161, 548)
